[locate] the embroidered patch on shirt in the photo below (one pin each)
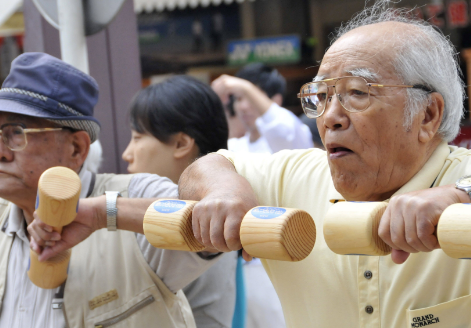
(103, 299)
(424, 320)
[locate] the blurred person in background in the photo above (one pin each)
(258, 95)
(173, 123)
(255, 96)
(94, 158)
(312, 125)
(236, 127)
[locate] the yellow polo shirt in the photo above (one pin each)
(330, 290)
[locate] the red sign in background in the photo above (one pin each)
(464, 138)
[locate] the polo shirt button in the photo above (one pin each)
(369, 309)
(368, 274)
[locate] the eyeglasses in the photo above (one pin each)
(353, 93)
(14, 135)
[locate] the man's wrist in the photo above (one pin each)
(463, 196)
(100, 212)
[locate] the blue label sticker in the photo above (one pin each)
(37, 201)
(268, 212)
(169, 206)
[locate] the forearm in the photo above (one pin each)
(211, 174)
(258, 98)
(131, 212)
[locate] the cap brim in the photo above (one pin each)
(17, 107)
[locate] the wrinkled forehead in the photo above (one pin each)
(368, 51)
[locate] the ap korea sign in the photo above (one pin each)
(279, 50)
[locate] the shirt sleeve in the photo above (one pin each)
(175, 268)
(283, 130)
(269, 175)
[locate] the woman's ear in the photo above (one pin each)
(80, 147)
(185, 146)
(432, 117)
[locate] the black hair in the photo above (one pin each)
(266, 78)
(181, 104)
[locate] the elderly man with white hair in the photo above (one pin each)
(387, 98)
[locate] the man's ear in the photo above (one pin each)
(80, 147)
(278, 99)
(185, 146)
(431, 117)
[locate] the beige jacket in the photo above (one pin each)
(110, 284)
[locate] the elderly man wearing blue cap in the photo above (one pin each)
(46, 120)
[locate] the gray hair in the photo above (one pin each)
(429, 59)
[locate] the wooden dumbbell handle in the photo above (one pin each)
(351, 228)
(266, 232)
(454, 231)
(56, 205)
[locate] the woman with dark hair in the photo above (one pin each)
(173, 123)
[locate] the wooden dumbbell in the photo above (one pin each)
(275, 233)
(351, 228)
(454, 231)
(56, 205)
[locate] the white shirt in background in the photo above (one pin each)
(279, 129)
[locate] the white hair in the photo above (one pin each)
(424, 56)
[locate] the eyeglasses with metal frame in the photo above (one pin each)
(353, 93)
(14, 135)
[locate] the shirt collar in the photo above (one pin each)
(422, 180)
(429, 172)
(16, 220)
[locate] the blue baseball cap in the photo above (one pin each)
(43, 86)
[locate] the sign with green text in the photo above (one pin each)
(273, 50)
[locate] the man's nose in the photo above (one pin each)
(6, 154)
(335, 116)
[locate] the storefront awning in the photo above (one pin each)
(11, 22)
(160, 5)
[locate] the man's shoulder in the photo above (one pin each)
(309, 156)
(111, 182)
(459, 154)
(290, 164)
(456, 165)
(282, 156)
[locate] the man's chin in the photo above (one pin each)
(349, 184)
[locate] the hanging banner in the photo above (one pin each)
(457, 14)
(274, 50)
(435, 14)
(464, 138)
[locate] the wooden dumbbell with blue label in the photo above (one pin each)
(275, 233)
(351, 228)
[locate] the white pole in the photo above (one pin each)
(72, 33)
